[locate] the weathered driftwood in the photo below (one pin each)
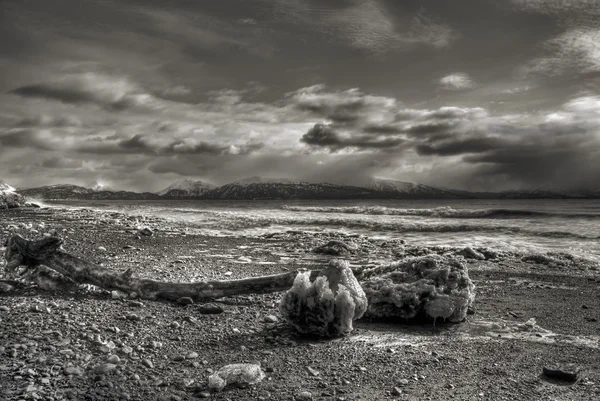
(48, 252)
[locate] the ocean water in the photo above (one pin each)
(571, 226)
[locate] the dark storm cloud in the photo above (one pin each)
(140, 144)
(108, 92)
(323, 136)
(460, 146)
(62, 163)
(28, 138)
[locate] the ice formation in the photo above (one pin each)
(327, 306)
(239, 374)
(434, 286)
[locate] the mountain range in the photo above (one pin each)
(267, 188)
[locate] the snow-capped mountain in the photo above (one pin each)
(407, 189)
(76, 192)
(98, 187)
(186, 189)
(277, 188)
(9, 198)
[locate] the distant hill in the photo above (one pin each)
(264, 188)
(186, 189)
(76, 192)
(281, 188)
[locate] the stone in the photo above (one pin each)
(113, 359)
(148, 363)
(567, 373)
(105, 368)
(304, 396)
(185, 301)
(210, 309)
(178, 358)
(313, 371)
(396, 391)
(118, 294)
(73, 370)
(240, 374)
(403, 382)
(271, 319)
(192, 355)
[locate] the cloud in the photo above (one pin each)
(368, 25)
(62, 163)
(456, 82)
(342, 107)
(108, 92)
(575, 50)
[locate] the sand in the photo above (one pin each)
(62, 345)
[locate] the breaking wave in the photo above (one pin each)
(233, 221)
(445, 212)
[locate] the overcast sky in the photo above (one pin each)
(472, 94)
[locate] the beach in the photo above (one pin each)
(531, 310)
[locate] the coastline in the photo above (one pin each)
(421, 360)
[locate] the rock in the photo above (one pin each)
(175, 325)
(73, 370)
(312, 371)
(178, 358)
(145, 231)
(271, 319)
(4, 308)
(6, 288)
(304, 396)
(210, 309)
(203, 394)
(584, 306)
(567, 373)
(396, 391)
(148, 363)
(113, 359)
(118, 294)
(101, 249)
(133, 317)
(227, 274)
(241, 375)
(192, 355)
(185, 301)
(128, 247)
(403, 382)
(105, 368)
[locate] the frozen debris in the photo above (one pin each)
(328, 305)
(335, 248)
(470, 253)
(240, 374)
(434, 286)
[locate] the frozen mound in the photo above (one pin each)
(9, 198)
(434, 286)
(327, 306)
(239, 374)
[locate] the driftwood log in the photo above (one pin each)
(48, 252)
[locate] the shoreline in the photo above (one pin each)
(496, 352)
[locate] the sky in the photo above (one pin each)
(134, 94)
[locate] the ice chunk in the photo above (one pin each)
(435, 286)
(327, 306)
